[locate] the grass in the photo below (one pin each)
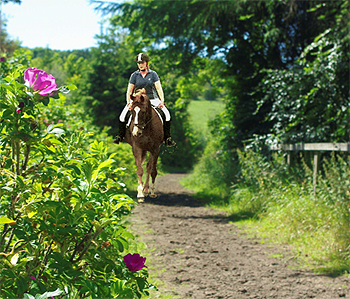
(202, 111)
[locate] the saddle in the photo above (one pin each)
(160, 113)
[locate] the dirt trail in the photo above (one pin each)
(204, 256)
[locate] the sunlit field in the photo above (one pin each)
(202, 111)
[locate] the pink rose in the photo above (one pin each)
(40, 81)
(134, 262)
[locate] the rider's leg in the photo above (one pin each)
(122, 125)
(167, 124)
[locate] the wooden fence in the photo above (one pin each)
(316, 148)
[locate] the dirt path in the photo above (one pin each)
(202, 255)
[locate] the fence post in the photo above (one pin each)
(316, 164)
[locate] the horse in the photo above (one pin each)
(145, 134)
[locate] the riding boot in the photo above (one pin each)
(167, 137)
(121, 134)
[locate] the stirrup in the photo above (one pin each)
(169, 142)
(117, 140)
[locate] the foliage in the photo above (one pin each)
(62, 205)
(106, 82)
(187, 147)
(204, 81)
(318, 110)
(249, 36)
(7, 46)
(71, 67)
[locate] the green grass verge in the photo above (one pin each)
(306, 223)
(201, 112)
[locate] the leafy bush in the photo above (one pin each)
(61, 204)
(318, 109)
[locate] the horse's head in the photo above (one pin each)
(140, 98)
(141, 111)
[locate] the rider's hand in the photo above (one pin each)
(161, 105)
(129, 105)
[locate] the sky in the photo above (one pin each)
(56, 24)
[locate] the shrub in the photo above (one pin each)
(61, 205)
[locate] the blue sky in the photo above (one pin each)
(56, 24)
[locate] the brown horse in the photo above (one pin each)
(145, 134)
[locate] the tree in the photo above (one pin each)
(249, 36)
(106, 83)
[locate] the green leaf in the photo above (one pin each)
(46, 101)
(117, 287)
(118, 244)
(7, 114)
(140, 283)
(106, 164)
(72, 87)
(128, 235)
(246, 17)
(88, 170)
(75, 168)
(5, 220)
(49, 294)
(21, 284)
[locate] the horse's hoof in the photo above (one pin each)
(140, 199)
(153, 195)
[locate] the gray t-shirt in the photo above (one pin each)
(147, 82)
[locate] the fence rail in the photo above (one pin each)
(317, 148)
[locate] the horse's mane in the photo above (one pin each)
(140, 96)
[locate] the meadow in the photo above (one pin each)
(202, 111)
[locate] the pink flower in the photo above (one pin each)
(134, 262)
(40, 81)
(32, 277)
(2, 59)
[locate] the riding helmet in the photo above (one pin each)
(142, 57)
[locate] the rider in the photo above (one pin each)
(144, 77)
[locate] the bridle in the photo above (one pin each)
(142, 127)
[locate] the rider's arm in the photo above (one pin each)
(159, 91)
(129, 92)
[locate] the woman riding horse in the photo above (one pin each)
(145, 78)
(145, 134)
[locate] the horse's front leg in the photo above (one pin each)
(139, 159)
(152, 170)
(146, 186)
